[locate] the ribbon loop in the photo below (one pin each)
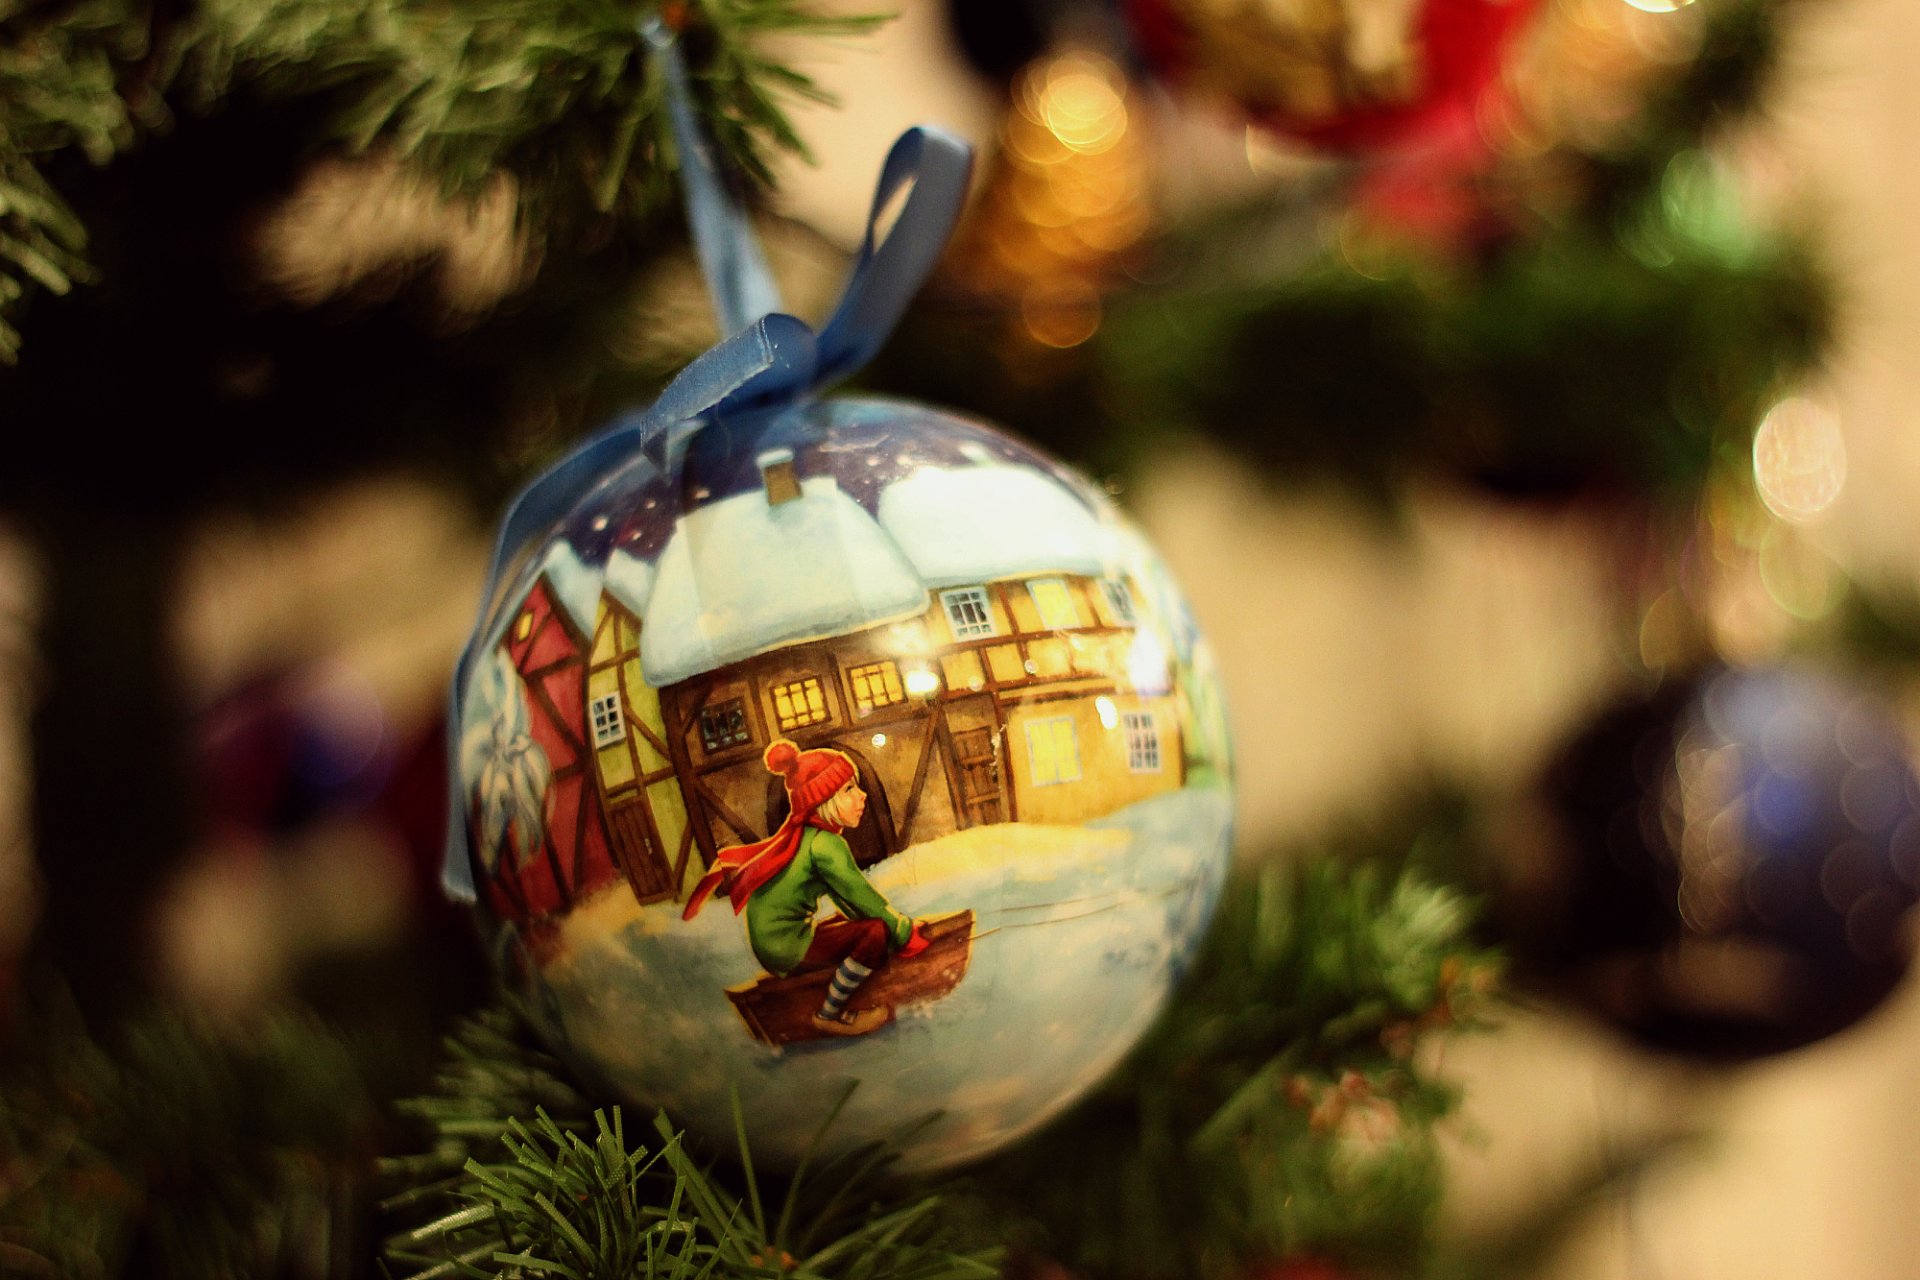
(888, 273)
(770, 359)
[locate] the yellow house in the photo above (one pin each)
(1077, 696)
(975, 649)
(640, 790)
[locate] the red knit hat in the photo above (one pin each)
(811, 776)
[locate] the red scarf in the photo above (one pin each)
(740, 870)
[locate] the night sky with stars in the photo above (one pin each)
(863, 444)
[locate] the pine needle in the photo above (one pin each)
(569, 1193)
(1279, 1106)
(555, 96)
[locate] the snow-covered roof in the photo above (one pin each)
(740, 577)
(575, 587)
(630, 581)
(960, 525)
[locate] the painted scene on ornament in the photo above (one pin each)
(878, 753)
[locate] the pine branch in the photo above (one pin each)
(1726, 81)
(555, 97)
(1280, 1105)
(1686, 324)
(58, 93)
(564, 1191)
(177, 1148)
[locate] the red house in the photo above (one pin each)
(574, 859)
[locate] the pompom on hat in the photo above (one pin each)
(811, 776)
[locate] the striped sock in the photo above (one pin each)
(846, 980)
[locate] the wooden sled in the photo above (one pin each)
(780, 1010)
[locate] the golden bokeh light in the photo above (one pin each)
(1065, 204)
(1579, 77)
(1799, 460)
(1062, 314)
(1798, 576)
(1077, 97)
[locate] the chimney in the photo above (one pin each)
(776, 473)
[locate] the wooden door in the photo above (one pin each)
(978, 770)
(649, 873)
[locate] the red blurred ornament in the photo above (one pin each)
(1345, 75)
(1300, 1267)
(1444, 199)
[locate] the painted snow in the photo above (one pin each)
(741, 577)
(1079, 935)
(630, 581)
(506, 771)
(575, 586)
(961, 525)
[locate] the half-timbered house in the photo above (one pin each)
(639, 789)
(975, 649)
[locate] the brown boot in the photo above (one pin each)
(851, 1022)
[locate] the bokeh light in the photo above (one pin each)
(1799, 460)
(1066, 202)
(1078, 98)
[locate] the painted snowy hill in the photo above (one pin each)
(1081, 933)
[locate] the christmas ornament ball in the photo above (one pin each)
(1345, 75)
(1738, 858)
(858, 748)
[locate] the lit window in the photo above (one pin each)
(523, 625)
(875, 685)
(1119, 600)
(799, 704)
(1053, 750)
(609, 726)
(723, 725)
(1055, 603)
(1143, 741)
(967, 612)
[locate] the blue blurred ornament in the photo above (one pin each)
(283, 753)
(1741, 851)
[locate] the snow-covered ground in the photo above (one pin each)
(1079, 932)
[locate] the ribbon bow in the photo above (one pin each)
(772, 358)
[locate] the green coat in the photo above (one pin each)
(780, 912)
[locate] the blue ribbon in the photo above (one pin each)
(723, 240)
(772, 358)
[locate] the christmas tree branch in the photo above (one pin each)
(556, 97)
(565, 1192)
(1687, 328)
(1281, 1105)
(176, 1147)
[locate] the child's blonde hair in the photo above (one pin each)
(833, 808)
